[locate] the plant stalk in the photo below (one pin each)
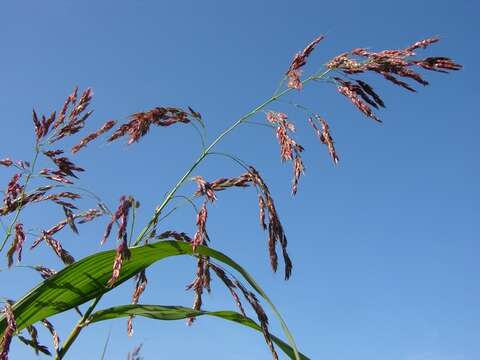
(76, 330)
(205, 152)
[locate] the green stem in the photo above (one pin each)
(205, 152)
(22, 197)
(76, 330)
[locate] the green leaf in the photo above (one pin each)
(160, 312)
(87, 278)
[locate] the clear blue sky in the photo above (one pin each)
(385, 246)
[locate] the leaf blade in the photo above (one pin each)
(172, 313)
(87, 278)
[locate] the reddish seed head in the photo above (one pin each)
(201, 281)
(289, 149)
(140, 122)
(353, 94)
(201, 233)
(87, 139)
(6, 162)
(274, 226)
(299, 60)
(122, 253)
(229, 284)
(45, 273)
(53, 332)
(121, 215)
(179, 236)
(63, 254)
(325, 137)
(261, 315)
(423, 43)
(17, 245)
(8, 332)
(140, 286)
(204, 188)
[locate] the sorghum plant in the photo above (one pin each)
(50, 178)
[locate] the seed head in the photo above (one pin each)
(299, 60)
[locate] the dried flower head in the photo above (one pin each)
(141, 284)
(299, 60)
(17, 245)
(201, 235)
(289, 149)
(42, 127)
(201, 281)
(65, 167)
(75, 121)
(221, 274)
(325, 137)
(393, 63)
(45, 272)
(122, 253)
(14, 189)
(70, 219)
(55, 176)
(63, 254)
(6, 162)
(33, 342)
(51, 329)
(179, 236)
(205, 189)
(140, 123)
(358, 97)
(90, 137)
(84, 217)
(121, 215)
(274, 226)
(208, 189)
(261, 315)
(89, 215)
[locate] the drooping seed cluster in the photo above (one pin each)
(90, 137)
(358, 97)
(140, 123)
(266, 206)
(221, 274)
(47, 235)
(122, 252)
(391, 64)
(17, 245)
(55, 245)
(179, 236)
(261, 315)
(56, 339)
(199, 283)
(140, 285)
(201, 235)
(6, 162)
(325, 137)
(34, 340)
(234, 284)
(44, 272)
(135, 353)
(289, 149)
(6, 339)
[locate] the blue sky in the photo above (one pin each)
(385, 246)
